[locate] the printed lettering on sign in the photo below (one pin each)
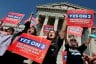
(13, 18)
(32, 43)
(30, 46)
(34, 21)
(74, 30)
(82, 18)
(47, 28)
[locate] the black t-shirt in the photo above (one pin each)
(74, 55)
(52, 52)
(54, 47)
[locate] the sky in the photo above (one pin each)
(28, 6)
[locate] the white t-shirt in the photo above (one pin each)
(5, 41)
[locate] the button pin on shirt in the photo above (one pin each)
(52, 49)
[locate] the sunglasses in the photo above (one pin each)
(73, 40)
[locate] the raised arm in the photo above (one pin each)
(27, 24)
(63, 31)
(89, 39)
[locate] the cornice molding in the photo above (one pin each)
(60, 6)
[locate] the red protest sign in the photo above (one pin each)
(74, 30)
(47, 28)
(1, 21)
(83, 18)
(34, 21)
(13, 18)
(32, 47)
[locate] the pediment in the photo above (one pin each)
(61, 6)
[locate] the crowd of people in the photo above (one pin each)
(75, 53)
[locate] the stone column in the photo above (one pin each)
(45, 22)
(92, 46)
(37, 17)
(56, 23)
(85, 38)
(37, 29)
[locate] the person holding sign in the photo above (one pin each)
(14, 58)
(29, 30)
(5, 40)
(52, 52)
(75, 52)
(56, 39)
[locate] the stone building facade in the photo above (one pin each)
(52, 14)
